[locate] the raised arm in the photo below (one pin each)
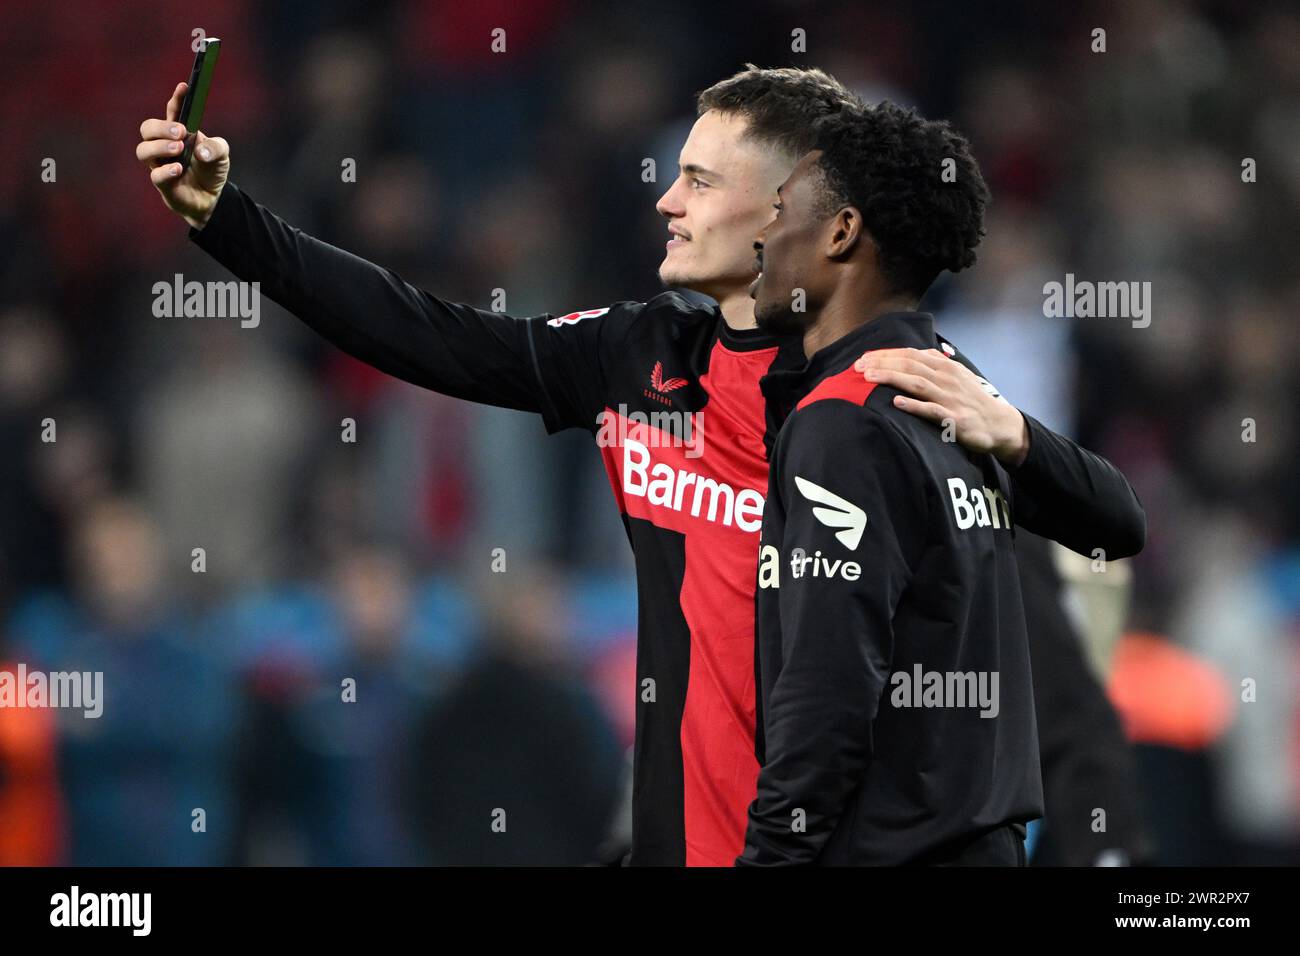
(544, 365)
(371, 312)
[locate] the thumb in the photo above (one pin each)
(202, 148)
(209, 149)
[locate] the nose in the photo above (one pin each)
(668, 205)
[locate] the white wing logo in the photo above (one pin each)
(837, 512)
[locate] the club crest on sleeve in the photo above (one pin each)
(573, 317)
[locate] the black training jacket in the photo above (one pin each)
(895, 697)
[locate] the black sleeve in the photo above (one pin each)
(1071, 495)
(1068, 494)
(837, 639)
(553, 366)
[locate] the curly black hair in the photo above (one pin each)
(888, 162)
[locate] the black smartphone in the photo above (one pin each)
(196, 96)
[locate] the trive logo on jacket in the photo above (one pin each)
(849, 522)
(803, 565)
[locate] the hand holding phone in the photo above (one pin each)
(189, 183)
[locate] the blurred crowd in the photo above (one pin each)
(379, 561)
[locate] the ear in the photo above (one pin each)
(843, 233)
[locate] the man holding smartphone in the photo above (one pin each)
(692, 519)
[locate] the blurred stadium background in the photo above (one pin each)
(522, 171)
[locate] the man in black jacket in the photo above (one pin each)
(896, 701)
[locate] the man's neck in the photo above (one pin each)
(844, 313)
(738, 310)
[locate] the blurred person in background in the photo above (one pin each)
(34, 508)
(323, 741)
(34, 831)
(515, 764)
(135, 775)
(1087, 762)
(221, 456)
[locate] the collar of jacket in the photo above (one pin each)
(892, 330)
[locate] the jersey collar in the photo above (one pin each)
(747, 340)
(783, 387)
(893, 330)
